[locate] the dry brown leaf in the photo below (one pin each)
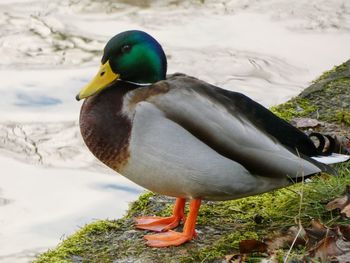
(252, 245)
(284, 239)
(327, 244)
(316, 224)
(339, 202)
(342, 203)
(316, 233)
(326, 248)
(323, 243)
(345, 231)
(331, 248)
(346, 211)
(303, 123)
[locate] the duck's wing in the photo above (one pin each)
(237, 128)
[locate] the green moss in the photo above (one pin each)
(227, 244)
(79, 244)
(343, 117)
(296, 107)
(335, 70)
(329, 102)
(332, 101)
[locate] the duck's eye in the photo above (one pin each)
(126, 48)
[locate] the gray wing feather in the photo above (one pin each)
(228, 131)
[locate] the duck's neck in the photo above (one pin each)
(104, 128)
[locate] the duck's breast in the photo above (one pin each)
(105, 129)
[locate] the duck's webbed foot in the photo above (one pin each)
(166, 239)
(157, 223)
(161, 224)
(172, 238)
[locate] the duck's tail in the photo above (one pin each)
(333, 158)
(331, 150)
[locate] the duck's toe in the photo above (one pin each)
(157, 223)
(166, 239)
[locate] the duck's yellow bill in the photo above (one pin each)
(103, 78)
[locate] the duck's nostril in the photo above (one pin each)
(102, 73)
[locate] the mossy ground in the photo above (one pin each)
(327, 99)
(296, 107)
(221, 225)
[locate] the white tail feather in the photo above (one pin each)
(334, 158)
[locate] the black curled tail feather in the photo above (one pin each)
(326, 143)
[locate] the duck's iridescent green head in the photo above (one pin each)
(132, 56)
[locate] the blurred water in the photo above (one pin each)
(49, 183)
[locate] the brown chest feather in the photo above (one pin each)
(105, 130)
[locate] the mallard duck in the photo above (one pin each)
(182, 137)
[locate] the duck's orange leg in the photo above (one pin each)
(160, 224)
(172, 238)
